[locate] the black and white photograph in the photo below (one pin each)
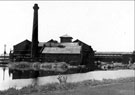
(67, 47)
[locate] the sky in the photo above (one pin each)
(105, 25)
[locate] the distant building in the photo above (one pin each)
(4, 58)
(74, 53)
(21, 51)
(68, 51)
(123, 57)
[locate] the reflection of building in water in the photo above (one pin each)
(73, 52)
(4, 74)
(25, 74)
(20, 74)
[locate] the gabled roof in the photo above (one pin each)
(25, 41)
(78, 41)
(70, 44)
(58, 50)
(69, 48)
(52, 41)
(23, 47)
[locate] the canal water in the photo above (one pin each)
(15, 78)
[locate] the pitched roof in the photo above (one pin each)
(58, 50)
(52, 41)
(24, 45)
(70, 44)
(25, 41)
(69, 48)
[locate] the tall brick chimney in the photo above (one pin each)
(34, 47)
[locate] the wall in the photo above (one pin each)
(73, 59)
(66, 40)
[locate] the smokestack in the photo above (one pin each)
(34, 47)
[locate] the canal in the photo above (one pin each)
(15, 78)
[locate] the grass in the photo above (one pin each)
(60, 87)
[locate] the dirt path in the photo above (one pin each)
(113, 89)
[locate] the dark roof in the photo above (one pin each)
(23, 47)
(52, 41)
(78, 41)
(25, 41)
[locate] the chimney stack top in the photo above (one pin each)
(35, 7)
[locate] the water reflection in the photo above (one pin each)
(26, 74)
(19, 78)
(4, 74)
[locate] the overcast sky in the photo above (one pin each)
(105, 25)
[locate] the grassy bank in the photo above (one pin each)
(62, 87)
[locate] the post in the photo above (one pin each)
(4, 52)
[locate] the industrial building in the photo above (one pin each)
(66, 50)
(72, 52)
